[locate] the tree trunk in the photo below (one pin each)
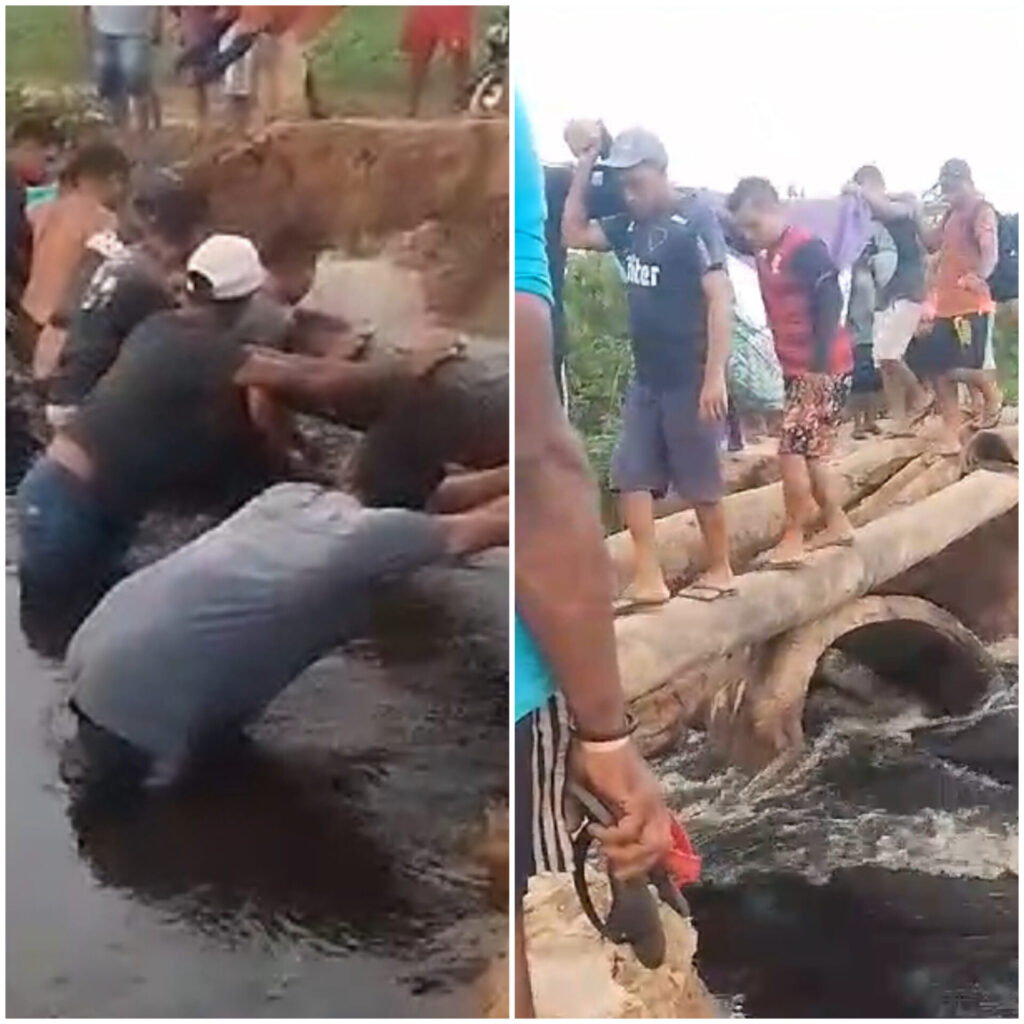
(655, 647)
(755, 518)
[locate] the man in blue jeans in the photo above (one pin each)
(567, 686)
(122, 40)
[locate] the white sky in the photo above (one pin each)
(801, 93)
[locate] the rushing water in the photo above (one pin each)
(328, 867)
(876, 878)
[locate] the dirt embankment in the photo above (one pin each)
(433, 195)
(575, 973)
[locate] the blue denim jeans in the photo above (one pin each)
(67, 539)
(123, 65)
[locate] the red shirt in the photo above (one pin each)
(800, 289)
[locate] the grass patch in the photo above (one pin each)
(45, 45)
(358, 52)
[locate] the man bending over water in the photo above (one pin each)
(196, 645)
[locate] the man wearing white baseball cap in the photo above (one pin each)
(225, 268)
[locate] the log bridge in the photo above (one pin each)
(931, 578)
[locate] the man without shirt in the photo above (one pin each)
(680, 318)
(126, 289)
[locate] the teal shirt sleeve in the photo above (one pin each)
(533, 683)
(531, 260)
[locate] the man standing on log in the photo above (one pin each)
(803, 303)
(959, 348)
(680, 320)
(566, 662)
(901, 300)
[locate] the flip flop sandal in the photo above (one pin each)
(915, 419)
(990, 421)
(706, 592)
(782, 564)
(636, 606)
(841, 542)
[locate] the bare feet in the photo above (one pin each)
(649, 591)
(838, 532)
(789, 551)
(947, 445)
(990, 415)
(718, 577)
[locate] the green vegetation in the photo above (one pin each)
(600, 361)
(358, 53)
(1007, 339)
(44, 45)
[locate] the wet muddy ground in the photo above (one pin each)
(328, 867)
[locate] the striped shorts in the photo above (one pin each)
(542, 839)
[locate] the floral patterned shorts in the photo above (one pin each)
(811, 415)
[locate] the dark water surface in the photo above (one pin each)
(879, 878)
(326, 868)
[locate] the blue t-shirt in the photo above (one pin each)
(663, 262)
(533, 682)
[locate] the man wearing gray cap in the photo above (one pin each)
(680, 316)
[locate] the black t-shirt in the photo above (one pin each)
(167, 420)
(19, 239)
(121, 293)
(909, 280)
(663, 263)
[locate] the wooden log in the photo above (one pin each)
(656, 647)
(940, 473)
(992, 449)
(755, 518)
(769, 718)
(878, 501)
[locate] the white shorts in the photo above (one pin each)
(59, 416)
(894, 327)
(239, 79)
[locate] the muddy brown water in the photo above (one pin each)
(326, 867)
(878, 878)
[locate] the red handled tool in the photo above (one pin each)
(633, 917)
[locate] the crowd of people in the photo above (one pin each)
(915, 325)
(170, 358)
(259, 57)
(911, 330)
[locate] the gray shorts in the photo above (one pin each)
(664, 443)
